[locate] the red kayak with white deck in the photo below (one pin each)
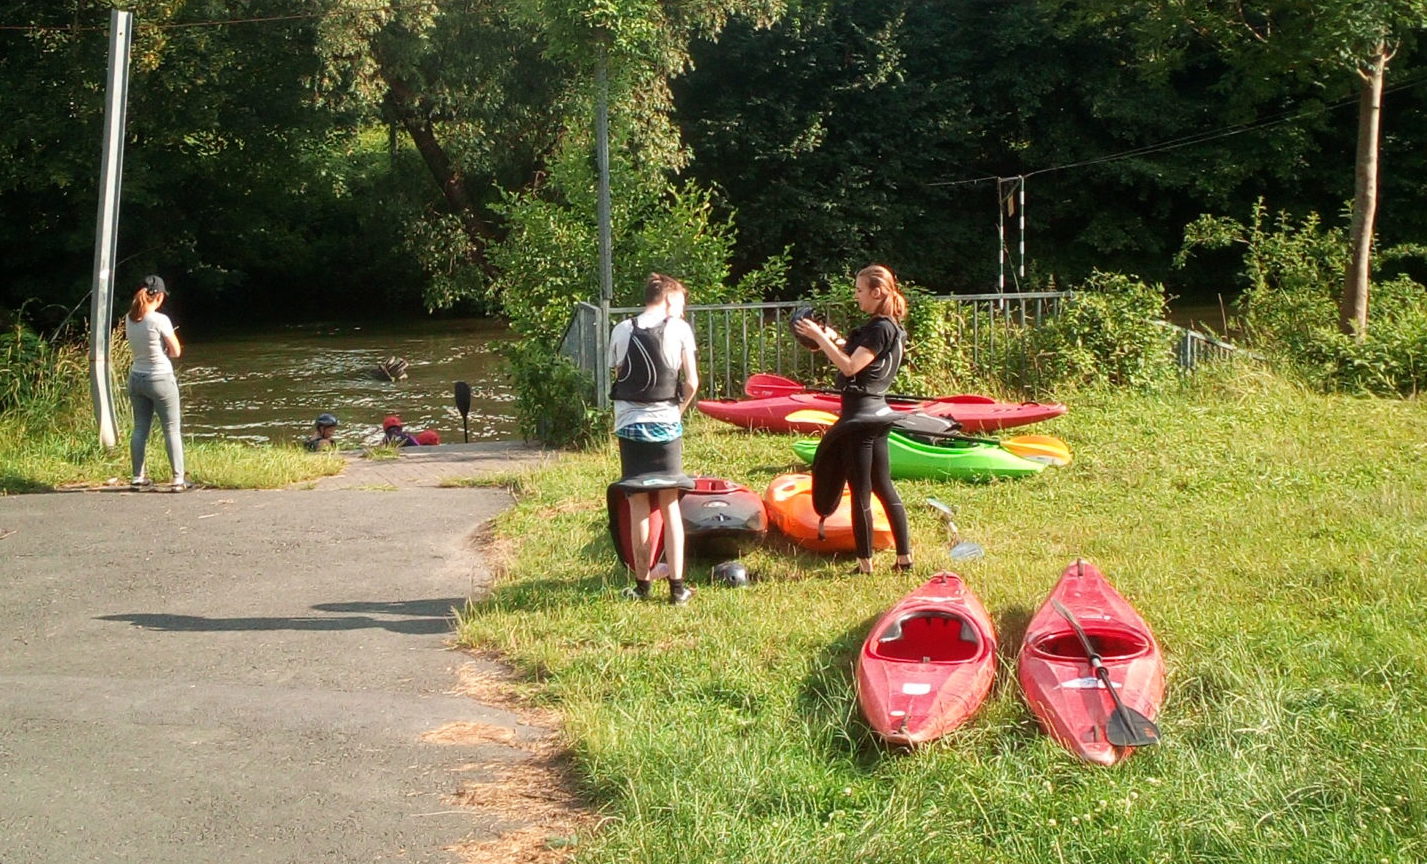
(927, 664)
(1056, 676)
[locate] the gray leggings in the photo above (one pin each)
(149, 392)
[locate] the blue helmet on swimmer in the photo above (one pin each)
(325, 419)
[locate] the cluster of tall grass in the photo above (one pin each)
(1272, 536)
(50, 439)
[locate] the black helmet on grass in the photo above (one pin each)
(731, 573)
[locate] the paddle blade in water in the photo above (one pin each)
(1039, 448)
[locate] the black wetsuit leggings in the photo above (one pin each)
(869, 474)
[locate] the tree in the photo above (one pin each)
(1267, 40)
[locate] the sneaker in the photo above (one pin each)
(637, 591)
(180, 486)
(679, 593)
(141, 484)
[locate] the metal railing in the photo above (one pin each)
(737, 339)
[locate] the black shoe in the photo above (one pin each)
(679, 593)
(638, 591)
(899, 567)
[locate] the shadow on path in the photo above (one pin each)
(430, 617)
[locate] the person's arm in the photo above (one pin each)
(691, 374)
(170, 340)
(828, 343)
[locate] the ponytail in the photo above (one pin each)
(139, 308)
(881, 280)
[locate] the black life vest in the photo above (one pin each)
(644, 375)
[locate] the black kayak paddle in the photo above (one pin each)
(1126, 726)
(463, 404)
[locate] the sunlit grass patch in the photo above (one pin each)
(1274, 539)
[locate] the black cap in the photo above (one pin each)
(155, 285)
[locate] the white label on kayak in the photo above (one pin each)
(714, 504)
(898, 713)
(1091, 683)
(914, 688)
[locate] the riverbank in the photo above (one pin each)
(1272, 537)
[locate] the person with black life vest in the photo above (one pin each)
(854, 449)
(654, 383)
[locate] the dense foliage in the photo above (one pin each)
(1292, 269)
(330, 156)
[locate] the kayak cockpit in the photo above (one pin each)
(1109, 644)
(929, 636)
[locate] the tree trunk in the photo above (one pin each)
(1353, 311)
(452, 184)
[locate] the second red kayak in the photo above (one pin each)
(1056, 675)
(974, 413)
(927, 664)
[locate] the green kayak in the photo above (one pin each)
(960, 460)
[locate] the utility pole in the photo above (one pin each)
(111, 172)
(606, 231)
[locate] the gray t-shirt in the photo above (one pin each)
(146, 339)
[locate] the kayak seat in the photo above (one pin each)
(1109, 644)
(931, 635)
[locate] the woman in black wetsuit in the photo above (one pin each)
(855, 448)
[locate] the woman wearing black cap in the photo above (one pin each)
(854, 450)
(152, 384)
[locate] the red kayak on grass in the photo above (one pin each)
(775, 397)
(1056, 674)
(927, 664)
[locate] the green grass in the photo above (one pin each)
(1275, 539)
(51, 439)
(62, 458)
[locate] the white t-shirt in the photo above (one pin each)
(146, 340)
(677, 335)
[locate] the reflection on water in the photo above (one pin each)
(270, 386)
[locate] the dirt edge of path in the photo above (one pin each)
(541, 816)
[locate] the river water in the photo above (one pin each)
(269, 386)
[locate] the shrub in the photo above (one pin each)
(1289, 309)
(1110, 331)
(553, 403)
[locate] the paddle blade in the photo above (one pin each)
(812, 415)
(946, 510)
(1045, 449)
(967, 550)
(762, 385)
(463, 398)
(1130, 728)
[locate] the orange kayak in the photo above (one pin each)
(789, 500)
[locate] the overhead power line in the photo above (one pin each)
(1192, 139)
(217, 22)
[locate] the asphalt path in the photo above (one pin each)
(242, 676)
